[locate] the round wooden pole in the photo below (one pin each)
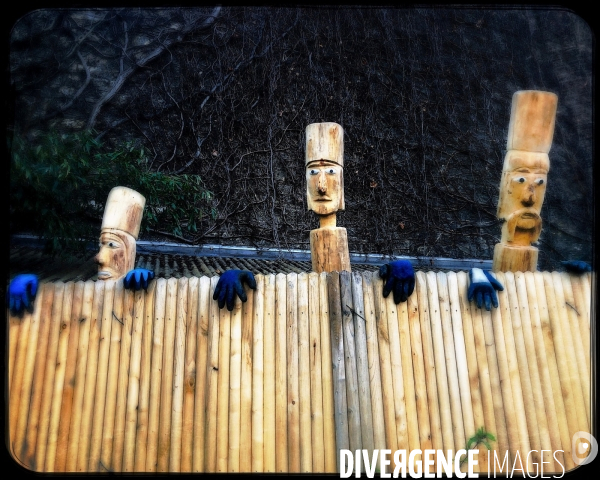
(429, 361)
(235, 385)
(269, 454)
(340, 409)
(133, 386)
(545, 445)
(154, 404)
(451, 363)
(499, 316)
(316, 379)
(89, 395)
(397, 377)
(475, 371)
(17, 365)
(166, 384)
(181, 318)
(30, 443)
(437, 333)
(362, 362)
(69, 381)
(468, 420)
(14, 325)
(204, 302)
(123, 381)
(420, 383)
(385, 365)
(573, 377)
(488, 402)
(101, 378)
(350, 366)
(408, 379)
(18, 444)
(329, 249)
(552, 362)
(496, 380)
(304, 375)
(293, 395)
(258, 377)
(327, 375)
(281, 393)
(520, 380)
(20, 330)
(246, 387)
(373, 362)
(572, 327)
(570, 390)
(80, 372)
(189, 376)
(59, 376)
(582, 314)
(143, 421)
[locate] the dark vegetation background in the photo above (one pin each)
(423, 95)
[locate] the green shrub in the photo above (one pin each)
(60, 183)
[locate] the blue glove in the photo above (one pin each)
(138, 278)
(21, 293)
(400, 278)
(483, 288)
(229, 284)
(577, 266)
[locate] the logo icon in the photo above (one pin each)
(584, 448)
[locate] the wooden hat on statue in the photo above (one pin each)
(524, 179)
(532, 117)
(325, 141)
(123, 211)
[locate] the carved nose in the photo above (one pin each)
(99, 258)
(529, 197)
(322, 185)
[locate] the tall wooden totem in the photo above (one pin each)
(324, 163)
(524, 177)
(120, 228)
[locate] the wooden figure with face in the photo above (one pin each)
(524, 178)
(120, 228)
(324, 162)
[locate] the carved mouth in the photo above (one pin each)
(529, 215)
(104, 275)
(323, 199)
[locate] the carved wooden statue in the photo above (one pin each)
(524, 177)
(325, 194)
(120, 228)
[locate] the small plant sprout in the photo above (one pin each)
(480, 437)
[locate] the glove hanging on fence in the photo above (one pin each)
(483, 288)
(138, 278)
(21, 293)
(399, 278)
(229, 284)
(577, 266)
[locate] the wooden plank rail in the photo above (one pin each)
(103, 379)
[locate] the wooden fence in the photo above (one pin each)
(103, 379)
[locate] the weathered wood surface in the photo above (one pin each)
(329, 249)
(103, 379)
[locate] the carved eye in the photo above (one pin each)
(331, 171)
(520, 179)
(313, 172)
(539, 181)
(111, 244)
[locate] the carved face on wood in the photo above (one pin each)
(116, 256)
(324, 187)
(522, 191)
